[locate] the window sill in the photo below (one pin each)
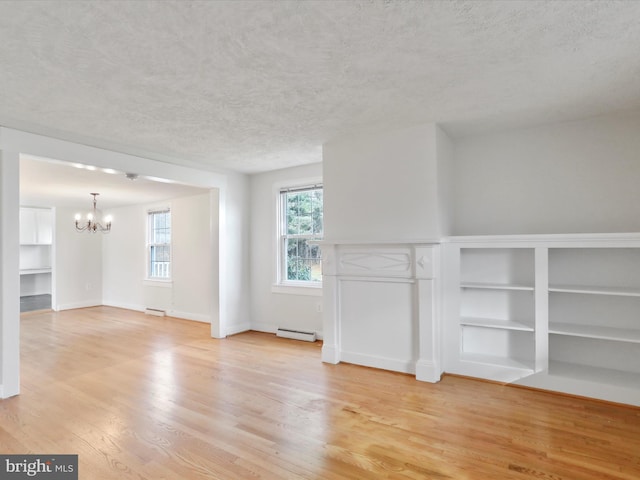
(157, 283)
(309, 290)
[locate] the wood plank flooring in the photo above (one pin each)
(140, 397)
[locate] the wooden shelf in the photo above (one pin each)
(495, 323)
(496, 286)
(597, 332)
(497, 361)
(596, 290)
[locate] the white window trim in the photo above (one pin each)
(288, 286)
(155, 281)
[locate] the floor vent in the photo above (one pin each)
(296, 334)
(153, 311)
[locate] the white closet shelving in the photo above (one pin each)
(564, 312)
(36, 238)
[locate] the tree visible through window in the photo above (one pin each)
(159, 244)
(302, 223)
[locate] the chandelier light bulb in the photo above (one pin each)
(92, 224)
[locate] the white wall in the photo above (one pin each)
(9, 272)
(270, 309)
(574, 177)
(382, 187)
(191, 219)
(444, 167)
(124, 260)
(77, 266)
(234, 265)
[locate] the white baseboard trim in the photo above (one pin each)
(395, 365)
(83, 304)
(428, 371)
(233, 329)
(263, 327)
(125, 306)
(196, 317)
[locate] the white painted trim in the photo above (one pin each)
(427, 371)
(403, 366)
(234, 329)
(124, 306)
(544, 238)
(330, 354)
(264, 327)
(83, 304)
(196, 317)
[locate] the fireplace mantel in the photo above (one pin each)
(381, 306)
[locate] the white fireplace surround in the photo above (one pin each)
(381, 306)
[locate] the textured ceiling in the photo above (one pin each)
(253, 86)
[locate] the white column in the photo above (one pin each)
(9, 274)
(542, 309)
(429, 364)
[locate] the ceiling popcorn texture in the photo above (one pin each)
(255, 86)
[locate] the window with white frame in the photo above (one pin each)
(301, 224)
(159, 244)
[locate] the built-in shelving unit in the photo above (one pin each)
(36, 240)
(494, 334)
(577, 332)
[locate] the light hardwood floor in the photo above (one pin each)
(139, 397)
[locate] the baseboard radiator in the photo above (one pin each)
(155, 312)
(296, 334)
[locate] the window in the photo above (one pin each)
(301, 224)
(159, 244)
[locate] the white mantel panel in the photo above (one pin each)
(375, 261)
(378, 323)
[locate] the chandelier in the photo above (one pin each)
(92, 223)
